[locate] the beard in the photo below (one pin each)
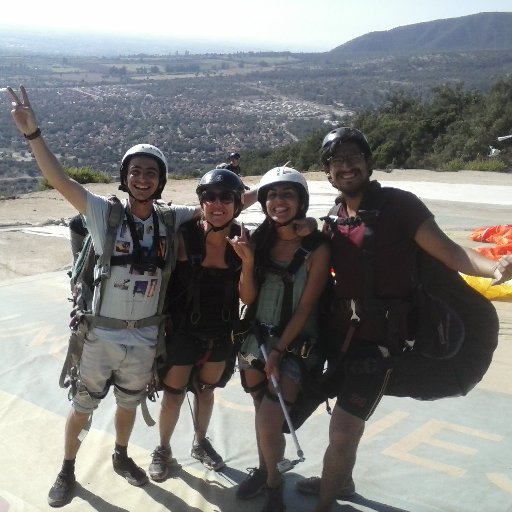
(355, 191)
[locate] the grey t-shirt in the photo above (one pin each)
(132, 292)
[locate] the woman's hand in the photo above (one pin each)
(22, 112)
(272, 365)
(242, 246)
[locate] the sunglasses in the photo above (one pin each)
(224, 197)
(353, 159)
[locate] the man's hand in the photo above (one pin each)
(503, 270)
(304, 227)
(22, 112)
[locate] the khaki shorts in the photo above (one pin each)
(129, 367)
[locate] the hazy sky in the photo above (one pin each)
(297, 25)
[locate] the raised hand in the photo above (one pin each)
(242, 246)
(22, 112)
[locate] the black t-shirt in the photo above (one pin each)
(400, 215)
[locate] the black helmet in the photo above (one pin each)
(144, 150)
(344, 134)
(225, 180)
(234, 155)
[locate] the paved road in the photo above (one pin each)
(452, 455)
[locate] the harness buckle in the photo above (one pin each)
(270, 330)
(306, 349)
(130, 324)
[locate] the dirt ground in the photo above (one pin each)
(23, 254)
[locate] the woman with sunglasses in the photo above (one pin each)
(203, 302)
(283, 291)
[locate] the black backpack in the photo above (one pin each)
(456, 335)
(455, 332)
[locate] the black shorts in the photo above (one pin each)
(361, 387)
(186, 349)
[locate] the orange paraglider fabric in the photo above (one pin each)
(502, 237)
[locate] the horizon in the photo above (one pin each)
(286, 25)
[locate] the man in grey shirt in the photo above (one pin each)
(118, 347)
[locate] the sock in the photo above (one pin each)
(121, 451)
(68, 467)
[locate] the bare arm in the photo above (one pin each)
(250, 197)
(52, 170)
(433, 240)
(247, 285)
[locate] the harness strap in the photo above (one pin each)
(115, 323)
(150, 422)
(141, 255)
(195, 249)
(102, 269)
(309, 244)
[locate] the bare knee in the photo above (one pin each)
(173, 399)
(345, 430)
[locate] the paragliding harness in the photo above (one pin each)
(188, 307)
(90, 273)
(453, 331)
(303, 347)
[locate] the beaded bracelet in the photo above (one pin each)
(33, 135)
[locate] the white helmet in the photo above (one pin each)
(279, 176)
(145, 150)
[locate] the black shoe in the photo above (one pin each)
(253, 485)
(204, 451)
(125, 467)
(162, 464)
(312, 486)
(61, 492)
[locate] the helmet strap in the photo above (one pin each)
(281, 224)
(215, 228)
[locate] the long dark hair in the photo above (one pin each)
(263, 239)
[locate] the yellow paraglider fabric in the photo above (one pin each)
(483, 286)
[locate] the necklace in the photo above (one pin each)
(285, 240)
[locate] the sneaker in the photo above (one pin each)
(162, 463)
(253, 485)
(204, 451)
(275, 501)
(62, 490)
(129, 470)
(312, 486)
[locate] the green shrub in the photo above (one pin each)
(479, 164)
(82, 175)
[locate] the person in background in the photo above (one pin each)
(234, 163)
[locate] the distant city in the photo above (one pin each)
(61, 42)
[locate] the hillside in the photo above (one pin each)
(199, 108)
(484, 31)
